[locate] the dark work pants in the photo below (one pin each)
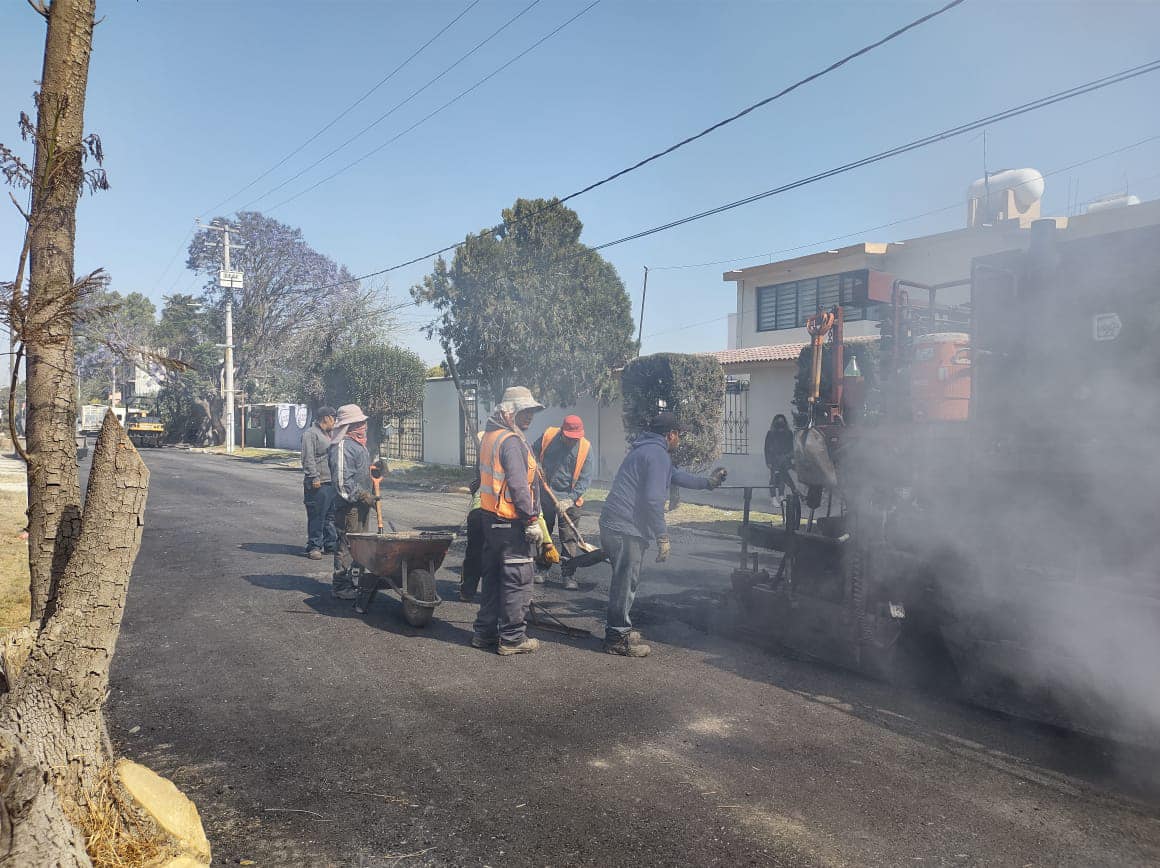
(320, 532)
(626, 552)
(348, 518)
(473, 557)
(565, 539)
(507, 581)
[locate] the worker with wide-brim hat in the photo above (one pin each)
(350, 470)
(510, 500)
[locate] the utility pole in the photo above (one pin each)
(640, 325)
(228, 280)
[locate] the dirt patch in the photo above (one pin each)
(14, 599)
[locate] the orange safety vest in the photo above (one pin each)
(581, 456)
(494, 496)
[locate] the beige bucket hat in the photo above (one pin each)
(519, 398)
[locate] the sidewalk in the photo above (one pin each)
(13, 474)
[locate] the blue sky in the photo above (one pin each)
(193, 100)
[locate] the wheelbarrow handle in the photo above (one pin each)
(378, 503)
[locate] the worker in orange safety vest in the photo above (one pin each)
(565, 458)
(512, 535)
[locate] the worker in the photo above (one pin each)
(317, 489)
(510, 499)
(634, 515)
(565, 458)
(350, 471)
(473, 556)
(778, 454)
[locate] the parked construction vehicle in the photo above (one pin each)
(979, 508)
(143, 429)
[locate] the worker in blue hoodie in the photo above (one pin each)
(634, 515)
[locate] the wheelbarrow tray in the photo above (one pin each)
(384, 554)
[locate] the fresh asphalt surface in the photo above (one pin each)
(310, 735)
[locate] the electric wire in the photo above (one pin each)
(925, 141)
(892, 223)
(710, 129)
(348, 109)
(387, 114)
(952, 132)
(440, 109)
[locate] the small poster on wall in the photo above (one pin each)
(300, 415)
(283, 415)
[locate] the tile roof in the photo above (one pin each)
(774, 353)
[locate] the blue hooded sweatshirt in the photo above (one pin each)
(636, 503)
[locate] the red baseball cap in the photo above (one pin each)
(573, 427)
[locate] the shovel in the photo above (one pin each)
(376, 480)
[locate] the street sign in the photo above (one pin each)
(230, 279)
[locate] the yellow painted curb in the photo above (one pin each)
(170, 808)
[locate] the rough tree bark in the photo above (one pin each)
(53, 741)
(58, 174)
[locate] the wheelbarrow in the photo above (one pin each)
(404, 562)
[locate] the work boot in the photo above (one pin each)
(538, 577)
(524, 646)
(570, 583)
(314, 555)
(623, 647)
(486, 643)
(464, 596)
(344, 593)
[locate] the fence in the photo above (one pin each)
(406, 440)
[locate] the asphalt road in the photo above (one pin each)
(309, 735)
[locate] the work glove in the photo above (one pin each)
(534, 534)
(566, 504)
(664, 547)
(367, 499)
(717, 477)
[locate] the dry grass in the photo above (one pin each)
(692, 516)
(14, 600)
(115, 835)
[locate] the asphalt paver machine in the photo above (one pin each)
(976, 490)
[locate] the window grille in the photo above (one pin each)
(735, 437)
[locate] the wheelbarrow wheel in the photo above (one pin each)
(421, 586)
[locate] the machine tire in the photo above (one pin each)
(421, 585)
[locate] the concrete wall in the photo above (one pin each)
(441, 423)
(770, 393)
(290, 422)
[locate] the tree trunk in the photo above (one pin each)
(53, 742)
(53, 486)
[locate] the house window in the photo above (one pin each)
(789, 305)
(735, 436)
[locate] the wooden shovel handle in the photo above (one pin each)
(378, 503)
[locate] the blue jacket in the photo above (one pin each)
(636, 503)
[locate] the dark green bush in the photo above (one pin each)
(693, 387)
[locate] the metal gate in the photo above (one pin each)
(406, 441)
(735, 437)
(468, 448)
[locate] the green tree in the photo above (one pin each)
(691, 386)
(386, 381)
(189, 402)
(526, 303)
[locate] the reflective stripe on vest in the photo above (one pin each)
(581, 456)
(494, 496)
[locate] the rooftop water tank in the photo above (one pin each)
(1005, 195)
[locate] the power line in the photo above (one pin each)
(930, 213)
(441, 108)
(713, 128)
(914, 145)
(348, 109)
(1034, 105)
(391, 111)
